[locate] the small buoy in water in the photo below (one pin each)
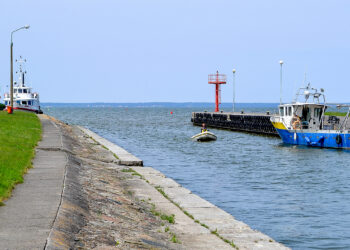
(171, 112)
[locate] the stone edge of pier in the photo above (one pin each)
(125, 158)
(202, 212)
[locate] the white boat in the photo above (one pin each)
(305, 123)
(23, 97)
(204, 136)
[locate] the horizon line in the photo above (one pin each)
(154, 102)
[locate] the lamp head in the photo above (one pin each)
(234, 71)
(281, 62)
(26, 26)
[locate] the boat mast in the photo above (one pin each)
(21, 61)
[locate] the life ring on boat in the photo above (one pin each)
(338, 139)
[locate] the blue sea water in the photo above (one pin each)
(297, 195)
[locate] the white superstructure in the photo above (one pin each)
(23, 97)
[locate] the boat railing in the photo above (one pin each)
(345, 121)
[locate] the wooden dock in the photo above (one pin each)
(258, 123)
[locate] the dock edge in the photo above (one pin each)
(211, 217)
(125, 158)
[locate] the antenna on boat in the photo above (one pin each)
(21, 61)
(281, 63)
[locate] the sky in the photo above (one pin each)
(162, 51)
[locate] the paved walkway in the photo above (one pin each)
(27, 217)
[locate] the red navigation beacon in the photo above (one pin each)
(217, 79)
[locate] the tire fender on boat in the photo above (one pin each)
(338, 139)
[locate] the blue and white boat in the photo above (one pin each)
(305, 123)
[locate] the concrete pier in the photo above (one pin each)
(200, 224)
(258, 123)
(203, 218)
(124, 157)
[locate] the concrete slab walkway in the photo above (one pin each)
(28, 216)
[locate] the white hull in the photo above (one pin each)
(205, 136)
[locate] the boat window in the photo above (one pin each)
(5, 102)
(18, 102)
(306, 116)
(318, 113)
(24, 102)
(19, 90)
(15, 91)
(29, 102)
(290, 111)
(24, 90)
(28, 90)
(281, 111)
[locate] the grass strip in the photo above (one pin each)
(19, 134)
(336, 113)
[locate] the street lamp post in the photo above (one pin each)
(281, 63)
(11, 76)
(234, 89)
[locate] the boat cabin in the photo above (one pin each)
(302, 115)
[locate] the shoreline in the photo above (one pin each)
(79, 195)
(236, 233)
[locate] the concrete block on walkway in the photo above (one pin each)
(124, 156)
(176, 192)
(157, 180)
(148, 171)
(192, 200)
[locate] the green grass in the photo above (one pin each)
(169, 218)
(336, 113)
(127, 170)
(19, 134)
(174, 238)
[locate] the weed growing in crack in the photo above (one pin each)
(169, 218)
(188, 214)
(174, 239)
(127, 170)
(137, 174)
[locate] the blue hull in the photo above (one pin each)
(319, 139)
